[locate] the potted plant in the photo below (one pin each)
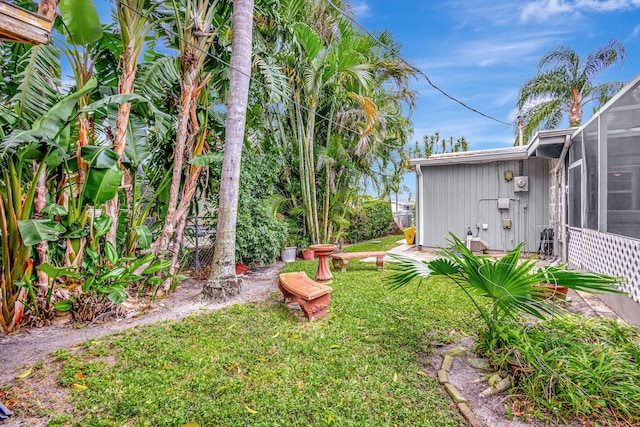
(288, 253)
(308, 255)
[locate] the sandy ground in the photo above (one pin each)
(21, 350)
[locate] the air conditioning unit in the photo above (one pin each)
(521, 183)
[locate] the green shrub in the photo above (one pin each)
(372, 219)
(259, 236)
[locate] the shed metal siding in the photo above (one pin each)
(457, 197)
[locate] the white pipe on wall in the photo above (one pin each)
(419, 207)
(560, 229)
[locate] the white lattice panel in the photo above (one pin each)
(574, 251)
(607, 254)
(614, 255)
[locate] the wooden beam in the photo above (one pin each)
(47, 10)
(22, 26)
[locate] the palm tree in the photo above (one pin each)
(223, 283)
(197, 24)
(567, 87)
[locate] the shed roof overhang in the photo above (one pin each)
(549, 143)
(471, 157)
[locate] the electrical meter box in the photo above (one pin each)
(521, 183)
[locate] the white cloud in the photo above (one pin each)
(482, 13)
(634, 33)
(607, 5)
(493, 50)
(507, 96)
(541, 10)
(513, 115)
(498, 50)
(360, 9)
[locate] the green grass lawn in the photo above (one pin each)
(376, 245)
(261, 364)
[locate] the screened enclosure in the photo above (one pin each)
(603, 177)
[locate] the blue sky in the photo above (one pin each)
(482, 52)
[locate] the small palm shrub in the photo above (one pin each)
(508, 286)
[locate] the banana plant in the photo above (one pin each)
(47, 143)
(19, 230)
(17, 233)
(111, 278)
(102, 182)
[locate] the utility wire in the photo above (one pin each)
(414, 68)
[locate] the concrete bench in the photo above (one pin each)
(313, 297)
(340, 261)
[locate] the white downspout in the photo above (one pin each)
(419, 207)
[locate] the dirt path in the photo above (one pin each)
(30, 346)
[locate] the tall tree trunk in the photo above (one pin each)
(181, 217)
(187, 98)
(327, 195)
(311, 171)
(125, 86)
(223, 283)
(575, 110)
(397, 202)
(298, 126)
(327, 199)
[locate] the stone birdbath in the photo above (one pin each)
(323, 251)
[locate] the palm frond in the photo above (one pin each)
(542, 116)
(581, 281)
(602, 93)
(308, 39)
(604, 57)
(561, 54)
(509, 283)
(40, 78)
(274, 79)
(408, 270)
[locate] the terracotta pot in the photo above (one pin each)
(308, 255)
(241, 269)
(550, 291)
